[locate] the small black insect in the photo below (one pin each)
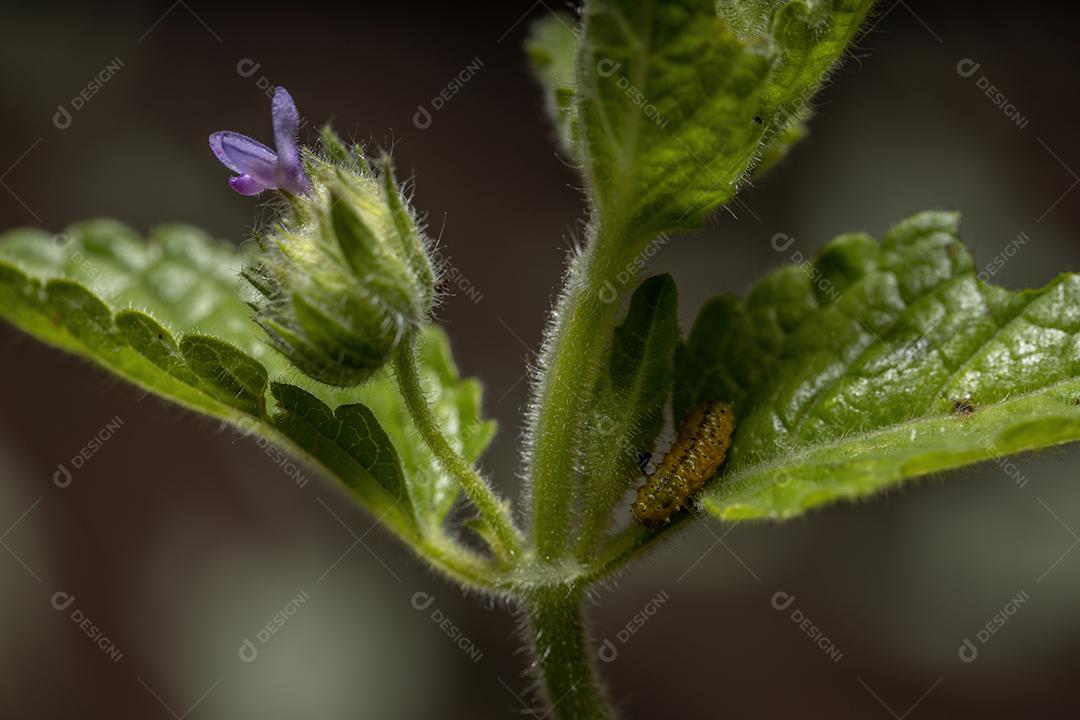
(964, 406)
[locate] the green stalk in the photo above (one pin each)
(469, 569)
(582, 327)
(563, 657)
(493, 511)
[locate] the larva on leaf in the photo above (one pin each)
(693, 459)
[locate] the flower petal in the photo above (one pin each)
(286, 123)
(259, 167)
(243, 155)
(246, 185)
(295, 180)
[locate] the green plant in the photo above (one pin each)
(875, 363)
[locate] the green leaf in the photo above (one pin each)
(82, 314)
(348, 440)
(875, 364)
(170, 315)
(748, 19)
(782, 142)
(151, 340)
(629, 402)
(358, 243)
(677, 103)
(235, 378)
(552, 48)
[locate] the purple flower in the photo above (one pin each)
(259, 167)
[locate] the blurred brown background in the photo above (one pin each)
(179, 540)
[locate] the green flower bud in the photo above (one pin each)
(344, 275)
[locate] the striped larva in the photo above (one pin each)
(693, 459)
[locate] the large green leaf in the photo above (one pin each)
(676, 102)
(877, 363)
(170, 315)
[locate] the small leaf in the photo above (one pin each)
(365, 247)
(781, 143)
(677, 104)
(19, 293)
(236, 378)
(409, 238)
(476, 433)
(147, 336)
(325, 330)
(748, 19)
(82, 314)
(629, 402)
(876, 364)
(343, 439)
(336, 150)
(358, 243)
(552, 48)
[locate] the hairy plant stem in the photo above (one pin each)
(493, 511)
(563, 657)
(584, 317)
(582, 327)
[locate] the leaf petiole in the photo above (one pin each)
(493, 511)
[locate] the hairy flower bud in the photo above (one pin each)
(344, 275)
